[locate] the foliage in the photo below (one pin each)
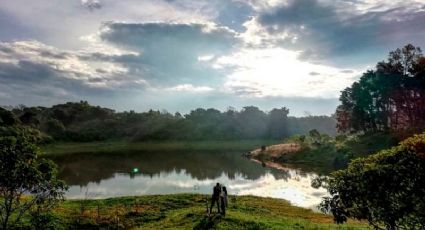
(321, 153)
(46, 221)
(392, 97)
(30, 134)
(7, 118)
(85, 123)
(27, 184)
(386, 189)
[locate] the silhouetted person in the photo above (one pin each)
(215, 197)
(223, 200)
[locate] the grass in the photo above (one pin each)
(188, 211)
(151, 146)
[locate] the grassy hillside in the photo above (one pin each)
(188, 211)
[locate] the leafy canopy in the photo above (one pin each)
(28, 185)
(386, 189)
(389, 98)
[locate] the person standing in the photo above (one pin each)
(215, 197)
(223, 200)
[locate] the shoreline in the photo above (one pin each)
(117, 146)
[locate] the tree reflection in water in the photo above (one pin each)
(112, 174)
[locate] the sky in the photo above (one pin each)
(178, 55)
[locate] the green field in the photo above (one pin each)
(127, 146)
(188, 211)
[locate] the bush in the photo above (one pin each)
(385, 189)
(46, 221)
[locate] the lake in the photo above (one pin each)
(139, 173)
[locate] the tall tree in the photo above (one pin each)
(388, 98)
(278, 123)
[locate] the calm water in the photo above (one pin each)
(111, 175)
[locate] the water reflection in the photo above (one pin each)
(110, 175)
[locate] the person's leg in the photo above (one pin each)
(223, 207)
(218, 205)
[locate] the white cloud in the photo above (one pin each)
(205, 58)
(264, 5)
(80, 65)
(44, 20)
(278, 72)
(189, 88)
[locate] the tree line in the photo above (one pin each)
(390, 97)
(80, 121)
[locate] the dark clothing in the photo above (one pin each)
(215, 200)
(216, 197)
(216, 191)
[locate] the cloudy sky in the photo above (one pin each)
(183, 54)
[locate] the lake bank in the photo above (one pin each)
(322, 155)
(114, 146)
(188, 211)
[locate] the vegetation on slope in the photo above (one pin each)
(321, 153)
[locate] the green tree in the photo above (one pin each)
(26, 183)
(391, 97)
(278, 123)
(7, 118)
(386, 189)
(252, 122)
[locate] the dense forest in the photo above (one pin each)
(80, 121)
(388, 98)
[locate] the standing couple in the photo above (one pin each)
(219, 197)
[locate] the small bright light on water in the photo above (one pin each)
(135, 170)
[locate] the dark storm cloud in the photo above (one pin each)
(327, 30)
(170, 52)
